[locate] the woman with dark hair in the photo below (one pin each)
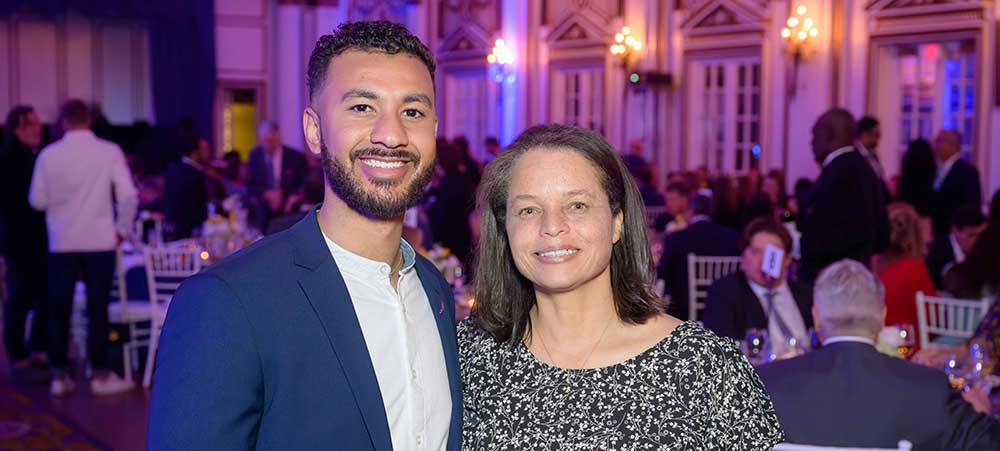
(567, 343)
(916, 179)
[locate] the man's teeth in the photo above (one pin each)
(558, 253)
(383, 164)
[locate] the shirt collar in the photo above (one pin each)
(761, 290)
(358, 265)
(959, 254)
(79, 133)
(848, 339)
(836, 153)
(947, 164)
(698, 218)
(194, 164)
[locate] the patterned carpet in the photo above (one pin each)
(26, 427)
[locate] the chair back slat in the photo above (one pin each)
(703, 271)
(167, 267)
(949, 317)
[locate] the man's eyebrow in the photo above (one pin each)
(363, 93)
(419, 98)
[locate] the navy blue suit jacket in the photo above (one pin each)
(849, 394)
(704, 238)
(842, 216)
(264, 351)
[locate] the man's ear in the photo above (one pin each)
(311, 128)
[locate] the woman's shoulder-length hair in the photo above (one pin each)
(504, 297)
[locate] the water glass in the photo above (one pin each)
(757, 346)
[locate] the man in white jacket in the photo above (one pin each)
(80, 182)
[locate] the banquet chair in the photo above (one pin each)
(134, 313)
(702, 273)
(948, 317)
(903, 446)
(166, 268)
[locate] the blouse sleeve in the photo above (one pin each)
(744, 417)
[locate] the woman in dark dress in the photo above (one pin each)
(567, 347)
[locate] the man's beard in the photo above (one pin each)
(380, 203)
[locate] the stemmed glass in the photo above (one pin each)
(907, 340)
(756, 346)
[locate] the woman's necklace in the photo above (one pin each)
(582, 364)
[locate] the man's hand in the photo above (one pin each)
(273, 199)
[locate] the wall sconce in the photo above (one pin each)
(501, 61)
(798, 34)
(626, 46)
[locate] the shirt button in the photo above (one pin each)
(420, 440)
(413, 374)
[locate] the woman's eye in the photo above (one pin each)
(361, 108)
(528, 211)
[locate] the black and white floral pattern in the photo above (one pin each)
(691, 391)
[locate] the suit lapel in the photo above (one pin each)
(440, 301)
(754, 312)
(326, 291)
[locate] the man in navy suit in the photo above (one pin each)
(957, 182)
(701, 237)
(844, 214)
(849, 394)
(333, 334)
(950, 249)
(274, 172)
(186, 192)
(742, 300)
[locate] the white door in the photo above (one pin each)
(924, 88)
(470, 109)
(577, 97)
(724, 124)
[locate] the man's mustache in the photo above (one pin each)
(385, 153)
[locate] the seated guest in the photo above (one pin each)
(701, 237)
(274, 172)
(186, 197)
(677, 204)
(849, 394)
(967, 225)
(979, 275)
(739, 301)
(299, 204)
(901, 267)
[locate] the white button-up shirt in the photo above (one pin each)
(404, 345)
(784, 305)
(73, 183)
(943, 169)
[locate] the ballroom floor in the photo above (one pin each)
(115, 423)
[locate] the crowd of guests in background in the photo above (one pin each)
(924, 230)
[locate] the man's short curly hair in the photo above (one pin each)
(374, 37)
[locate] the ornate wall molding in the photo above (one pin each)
(890, 17)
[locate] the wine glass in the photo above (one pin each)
(981, 362)
(757, 346)
(907, 340)
(955, 370)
